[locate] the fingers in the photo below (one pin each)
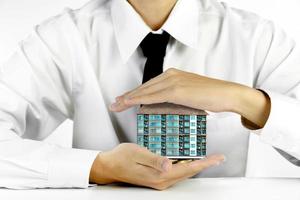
(209, 161)
(154, 86)
(166, 83)
(160, 96)
(147, 158)
(155, 97)
(181, 170)
(168, 73)
(149, 83)
(119, 105)
(137, 165)
(152, 81)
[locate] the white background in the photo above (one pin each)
(17, 17)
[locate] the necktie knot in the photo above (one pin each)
(154, 45)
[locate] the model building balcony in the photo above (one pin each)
(172, 130)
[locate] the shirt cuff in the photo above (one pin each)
(281, 128)
(70, 168)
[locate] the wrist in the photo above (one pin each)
(100, 171)
(253, 105)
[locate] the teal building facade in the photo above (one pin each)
(173, 135)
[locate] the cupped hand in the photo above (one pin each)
(136, 165)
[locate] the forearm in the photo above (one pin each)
(253, 105)
(29, 164)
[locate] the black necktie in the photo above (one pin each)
(154, 49)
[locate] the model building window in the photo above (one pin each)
(172, 130)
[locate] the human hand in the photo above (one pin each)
(183, 88)
(136, 165)
(200, 92)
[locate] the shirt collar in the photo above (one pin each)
(130, 29)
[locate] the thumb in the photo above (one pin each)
(146, 157)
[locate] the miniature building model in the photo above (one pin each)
(172, 130)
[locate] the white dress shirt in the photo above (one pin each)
(74, 65)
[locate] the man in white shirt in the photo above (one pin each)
(77, 64)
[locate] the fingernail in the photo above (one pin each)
(224, 159)
(221, 161)
(165, 165)
(220, 157)
(114, 105)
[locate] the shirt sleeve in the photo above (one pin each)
(277, 63)
(35, 98)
